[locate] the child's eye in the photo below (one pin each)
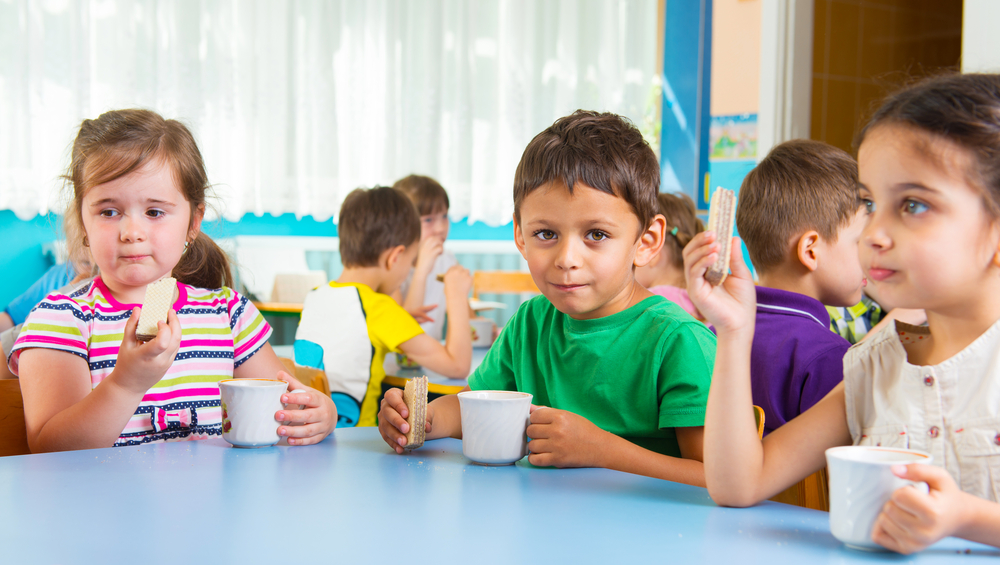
(869, 206)
(108, 213)
(598, 235)
(545, 235)
(914, 207)
(155, 213)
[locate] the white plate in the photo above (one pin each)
(484, 305)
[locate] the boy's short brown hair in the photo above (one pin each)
(800, 185)
(373, 220)
(426, 193)
(603, 151)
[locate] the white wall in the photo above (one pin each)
(980, 44)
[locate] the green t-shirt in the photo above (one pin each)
(637, 374)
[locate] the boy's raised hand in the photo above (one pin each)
(457, 281)
(142, 365)
(563, 439)
(315, 420)
(392, 416)
(730, 306)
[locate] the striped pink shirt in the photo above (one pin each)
(220, 330)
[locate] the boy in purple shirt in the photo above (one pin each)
(801, 218)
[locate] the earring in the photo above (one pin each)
(86, 242)
(186, 243)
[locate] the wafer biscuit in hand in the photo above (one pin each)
(160, 296)
(721, 220)
(415, 397)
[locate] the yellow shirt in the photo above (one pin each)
(349, 328)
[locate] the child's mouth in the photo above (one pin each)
(880, 274)
(568, 287)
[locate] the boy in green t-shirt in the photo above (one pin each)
(620, 376)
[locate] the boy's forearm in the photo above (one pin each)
(458, 342)
(983, 525)
(623, 455)
(447, 417)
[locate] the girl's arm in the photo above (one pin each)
(430, 248)
(318, 417)
(740, 470)
(62, 413)
(455, 357)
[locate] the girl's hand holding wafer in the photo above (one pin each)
(731, 306)
(140, 364)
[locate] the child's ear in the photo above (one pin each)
(519, 238)
(807, 250)
(196, 218)
(392, 255)
(650, 241)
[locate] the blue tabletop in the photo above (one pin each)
(350, 500)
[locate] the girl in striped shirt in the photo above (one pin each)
(138, 201)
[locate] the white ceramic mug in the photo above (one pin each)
(248, 408)
(861, 482)
(494, 424)
(482, 331)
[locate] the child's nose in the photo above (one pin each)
(568, 256)
(875, 234)
(132, 230)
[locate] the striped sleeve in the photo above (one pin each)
(250, 330)
(58, 322)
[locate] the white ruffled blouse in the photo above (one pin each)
(950, 410)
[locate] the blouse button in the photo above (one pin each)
(996, 439)
(929, 381)
(933, 432)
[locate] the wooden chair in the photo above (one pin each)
(811, 492)
(758, 414)
(13, 435)
(501, 282)
(309, 376)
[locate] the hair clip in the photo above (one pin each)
(673, 232)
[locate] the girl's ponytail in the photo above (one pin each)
(204, 265)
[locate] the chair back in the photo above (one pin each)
(811, 492)
(501, 282)
(758, 414)
(315, 378)
(13, 434)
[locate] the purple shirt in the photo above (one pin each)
(795, 359)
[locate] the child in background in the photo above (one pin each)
(930, 183)
(801, 219)
(348, 326)
(620, 375)
(664, 275)
(138, 200)
(422, 293)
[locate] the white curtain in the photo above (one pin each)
(294, 104)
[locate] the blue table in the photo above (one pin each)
(350, 501)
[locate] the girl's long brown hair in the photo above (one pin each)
(122, 141)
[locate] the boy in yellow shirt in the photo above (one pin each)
(349, 326)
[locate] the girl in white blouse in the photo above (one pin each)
(929, 167)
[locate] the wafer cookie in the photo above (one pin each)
(721, 220)
(160, 296)
(415, 396)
